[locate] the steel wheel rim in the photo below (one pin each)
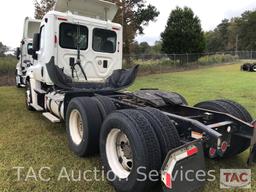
(76, 127)
(119, 153)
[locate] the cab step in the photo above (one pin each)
(37, 107)
(40, 91)
(51, 117)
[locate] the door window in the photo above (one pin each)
(104, 41)
(73, 36)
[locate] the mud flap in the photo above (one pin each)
(252, 157)
(182, 166)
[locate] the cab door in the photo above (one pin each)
(73, 39)
(105, 56)
(100, 50)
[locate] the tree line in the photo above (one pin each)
(3, 49)
(183, 32)
(237, 33)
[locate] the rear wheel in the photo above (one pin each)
(83, 122)
(129, 150)
(165, 130)
(185, 102)
(237, 144)
(254, 68)
(243, 113)
(105, 105)
(246, 67)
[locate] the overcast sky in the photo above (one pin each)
(211, 13)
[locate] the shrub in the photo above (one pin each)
(218, 58)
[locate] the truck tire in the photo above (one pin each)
(165, 130)
(16, 78)
(83, 122)
(16, 82)
(237, 144)
(105, 105)
(28, 96)
(246, 67)
(243, 113)
(253, 68)
(185, 102)
(129, 148)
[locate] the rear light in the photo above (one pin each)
(55, 39)
(62, 19)
(115, 29)
(212, 152)
(224, 146)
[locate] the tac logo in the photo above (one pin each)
(235, 178)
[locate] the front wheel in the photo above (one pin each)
(28, 96)
(17, 80)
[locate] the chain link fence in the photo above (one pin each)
(150, 64)
(162, 63)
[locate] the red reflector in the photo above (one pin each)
(192, 151)
(224, 146)
(62, 19)
(212, 152)
(55, 39)
(116, 29)
(254, 124)
(168, 180)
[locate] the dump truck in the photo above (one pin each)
(24, 52)
(78, 79)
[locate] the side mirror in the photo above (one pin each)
(36, 42)
(36, 45)
(30, 51)
(34, 55)
(18, 52)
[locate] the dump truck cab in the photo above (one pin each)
(24, 52)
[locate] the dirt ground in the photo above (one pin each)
(7, 80)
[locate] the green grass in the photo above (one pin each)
(27, 139)
(7, 64)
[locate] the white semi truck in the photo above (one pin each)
(77, 78)
(24, 52)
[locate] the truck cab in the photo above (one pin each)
(77, 78)
(24, 52)
(82, 41)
